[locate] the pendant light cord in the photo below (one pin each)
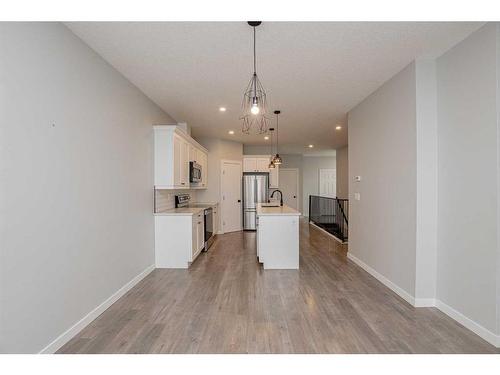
(277, 131)
(254, 53)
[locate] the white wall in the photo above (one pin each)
(76, 181)
(342, 161)
(468, 148)
(382, 150)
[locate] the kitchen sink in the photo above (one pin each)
(270, 204)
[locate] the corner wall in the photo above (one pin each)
(76, 223)
(454, 200)
(468, 149)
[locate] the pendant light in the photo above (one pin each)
(277, 158)
(271, 164)
(254, 99)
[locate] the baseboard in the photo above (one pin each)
(328, 233)
(388, 283)
(425, 302)
(87, 319)
(471, 325)
(478, 329)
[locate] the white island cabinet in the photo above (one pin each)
(278, 237)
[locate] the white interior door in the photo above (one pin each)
(289, 186)
(231, 214)
(328, 183)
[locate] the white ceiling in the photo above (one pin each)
(314, 72)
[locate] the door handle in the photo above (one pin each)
(239, 200)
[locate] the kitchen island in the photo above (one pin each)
(278, 237)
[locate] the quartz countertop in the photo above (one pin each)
(180, 211)
(277, 211)
(192, 209)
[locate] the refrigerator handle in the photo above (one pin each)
(255, 192)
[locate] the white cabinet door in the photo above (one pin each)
(177, 160)
(200, 230)
(249, 165)
(184, 163)
(274, 177)
(193, 153)
(262, 164)
(204, 168)
(194, 240)
(215, 219)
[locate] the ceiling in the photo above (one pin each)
(314, 72)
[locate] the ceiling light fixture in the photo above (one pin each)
(271, 163)
(311, 146)
(222, 109)
(254, 99)
(231, 132)
(267, 137)
(338, 127)
(277, 158)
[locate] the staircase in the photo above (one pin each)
(330, 214)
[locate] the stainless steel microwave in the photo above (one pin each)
(194, 172)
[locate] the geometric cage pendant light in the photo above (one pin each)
(277, 158)
(254, 105)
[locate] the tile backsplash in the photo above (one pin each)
(165, 199)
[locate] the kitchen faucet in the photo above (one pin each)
(281, 196)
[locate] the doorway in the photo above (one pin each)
(328, 182)
(230, 188)
(289, 186)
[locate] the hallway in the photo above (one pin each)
(226, 303)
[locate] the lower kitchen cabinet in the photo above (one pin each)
(179, 239)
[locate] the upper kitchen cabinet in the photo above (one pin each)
(260, 164)
(249, 164)
(173, 151)
(203, 156)
(256, 164)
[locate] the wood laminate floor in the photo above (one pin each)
(226, 303)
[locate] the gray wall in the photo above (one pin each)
(382, 150)
(76, 178)
(468, 149)
(310, 175)
(342, 160)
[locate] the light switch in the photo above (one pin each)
(357, 196)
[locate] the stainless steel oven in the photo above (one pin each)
(209, 227)
(194, 172)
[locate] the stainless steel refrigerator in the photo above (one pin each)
(255, 190)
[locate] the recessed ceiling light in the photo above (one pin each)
(222, 109)
(338, 127)
(311, 146)
(231, 132)
(266, 137)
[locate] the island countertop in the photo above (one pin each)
(276, 211)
